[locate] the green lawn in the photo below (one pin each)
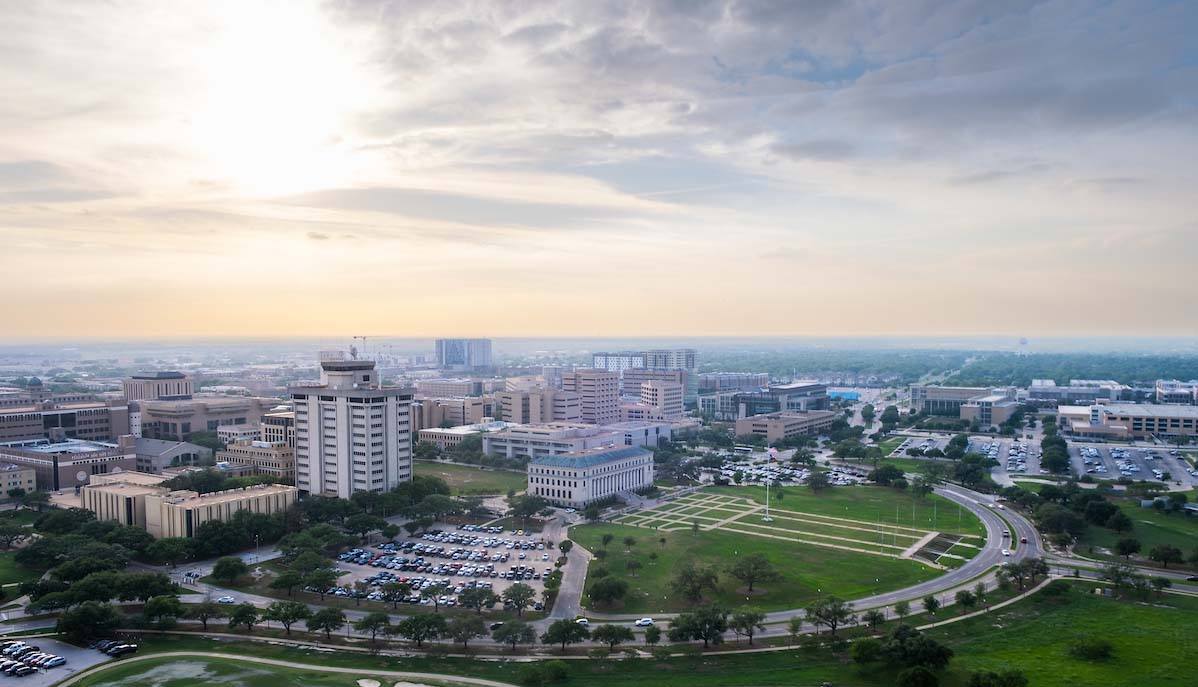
(182, 672)
(917, 465)
(890, 444)
(1152, 644)
(807, 571)
(1150, 527)
(871, 504)
(467, 480)
(11, 573)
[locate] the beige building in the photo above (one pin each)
(599, 393)
(551, 438)
(989, 411)
(631, 380)
(943, 400)
(664, 397)
(1129, 420)
(446, 438)
(156, 455)
(536, 405)
(16, 477)
(140, 500)
(158, 386)
(582, 477)
(231, 433)
(273, 459)
(278, 427)
(62, 419)
(72, 462)
(177, 419)
(787, 424)
(452, 412)
(450, 388)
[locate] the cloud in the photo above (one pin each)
(318, 236)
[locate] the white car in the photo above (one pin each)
(226, 600)
(1006, 552)
(582, 621)
(644, 622)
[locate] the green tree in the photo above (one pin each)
(830, 612)
(204, 611)
(1166, 554)
(1127, 547)
(966, 600)
(612, 635)
(866, 650)
(752, 569)
(794, 627)
(464, 628)
(690, 581)
(917, 676)
(169, 550)
(228, 569)
(519, 596)
(902, 609)
(286, 613)
(817, 481)
(373, 624)
(243, 615)
(11, 533)
(434, 592)
(326, 620)
(931, 604)
(708, 623)
(873, 618)
(565, 632)
(477, 598)
(607, 590)
(396, 592)
(422, 627)
(321, 579)
(747, 622)
(164, 609)
(513, 633)
(1007, 678)
(89, 619)
(652, 635)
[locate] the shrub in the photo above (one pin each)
(1092, 649)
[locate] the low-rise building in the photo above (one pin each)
(1077, 392)
(271, 458)
(944, 400)
(646, 433)
(231, 433)
(178, 419)
(64, 419)
(158, 386)
(70, 463)
(461, 386)
(732, 381)
(1129, 420)
(989, 411)
(1175, 391)
(446, 438)
(548, 439)
(13, 477)
(155, 455)
(579, 478)
(784, 425)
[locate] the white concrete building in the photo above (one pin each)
(549, 439)
(582, 477)
(351, 433)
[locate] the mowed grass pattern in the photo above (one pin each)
(808, 571)
(464, 479)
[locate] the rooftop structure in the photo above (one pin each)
(579, 478)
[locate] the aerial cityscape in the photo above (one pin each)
(727, 343)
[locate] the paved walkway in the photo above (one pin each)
(927, 539)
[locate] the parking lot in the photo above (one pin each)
(1103, 461)
(472, 556)
(762, 470)
(77, 659)
(921, 443)
(1016, 457)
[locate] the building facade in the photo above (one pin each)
(72, 462)
(270, 458)
(787, 424)
(1173, 391)
(548, 439)
(536, 405)
(351, 433)
(60, 419)
(177, 419)
(231, 433)
(13, 477)
(1129, 420)
(158, 386)
(464, 354)
(943, 400)
(732, 381)
(584, 477)
(155, 455)
(599, 394)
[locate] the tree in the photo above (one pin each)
(607, 539)
(1092, 649)
(327, 620)
(286, 613)
(652, 635)
(321, 579)
(629, 542)
(434, 592)
(374, 624)
(873, 618)
(830, 612)
(1122, 576)
(515, 632)
(690, 581)
(1007, 678)
(917, 676)
(478, 598)
(1127, 547)
(363, 524)
(794, 627)
(1160, 584)
(747, 622)
(607, 590)
(966, 600)
(206, 610)
(163, 609)
(931, 604)
(752, 569)
(422, 627)
(565, 632)
(817, 481)
(612, 635)
(464, 628)
(1165, 554)
(565, 545)
(520, 596)
(228, 569)
(1119, 522)
(11, 533)
(902, 609)
(396, 592)
(243, 615)
(632, 566)
(906, 646)
(89, 619)
(169, 550)
(866, 650)
(708, 624)
(867, 413)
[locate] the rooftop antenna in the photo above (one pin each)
(354, 350)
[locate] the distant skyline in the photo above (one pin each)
(244, 169)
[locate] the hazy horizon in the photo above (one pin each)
(713, 168)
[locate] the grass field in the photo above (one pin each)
(1151, 643)
(807, 571)
(890, 444)
(467, 480)
(11, 573)
(1150, 527)
(871, 504)
(916, 465)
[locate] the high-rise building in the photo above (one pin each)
(618, 362)
(464, 354)
(684, 359)
(351, 433)
(158, 386)
(525, 406)
(665, 398)
(599, 393)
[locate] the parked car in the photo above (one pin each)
(644, 622)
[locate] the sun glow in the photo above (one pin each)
(280, 90)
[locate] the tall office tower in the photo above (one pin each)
(351, 433)
(618, 362)
(677, 359)
(464, 354)
(599, 392)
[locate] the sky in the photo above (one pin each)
(593, 168)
